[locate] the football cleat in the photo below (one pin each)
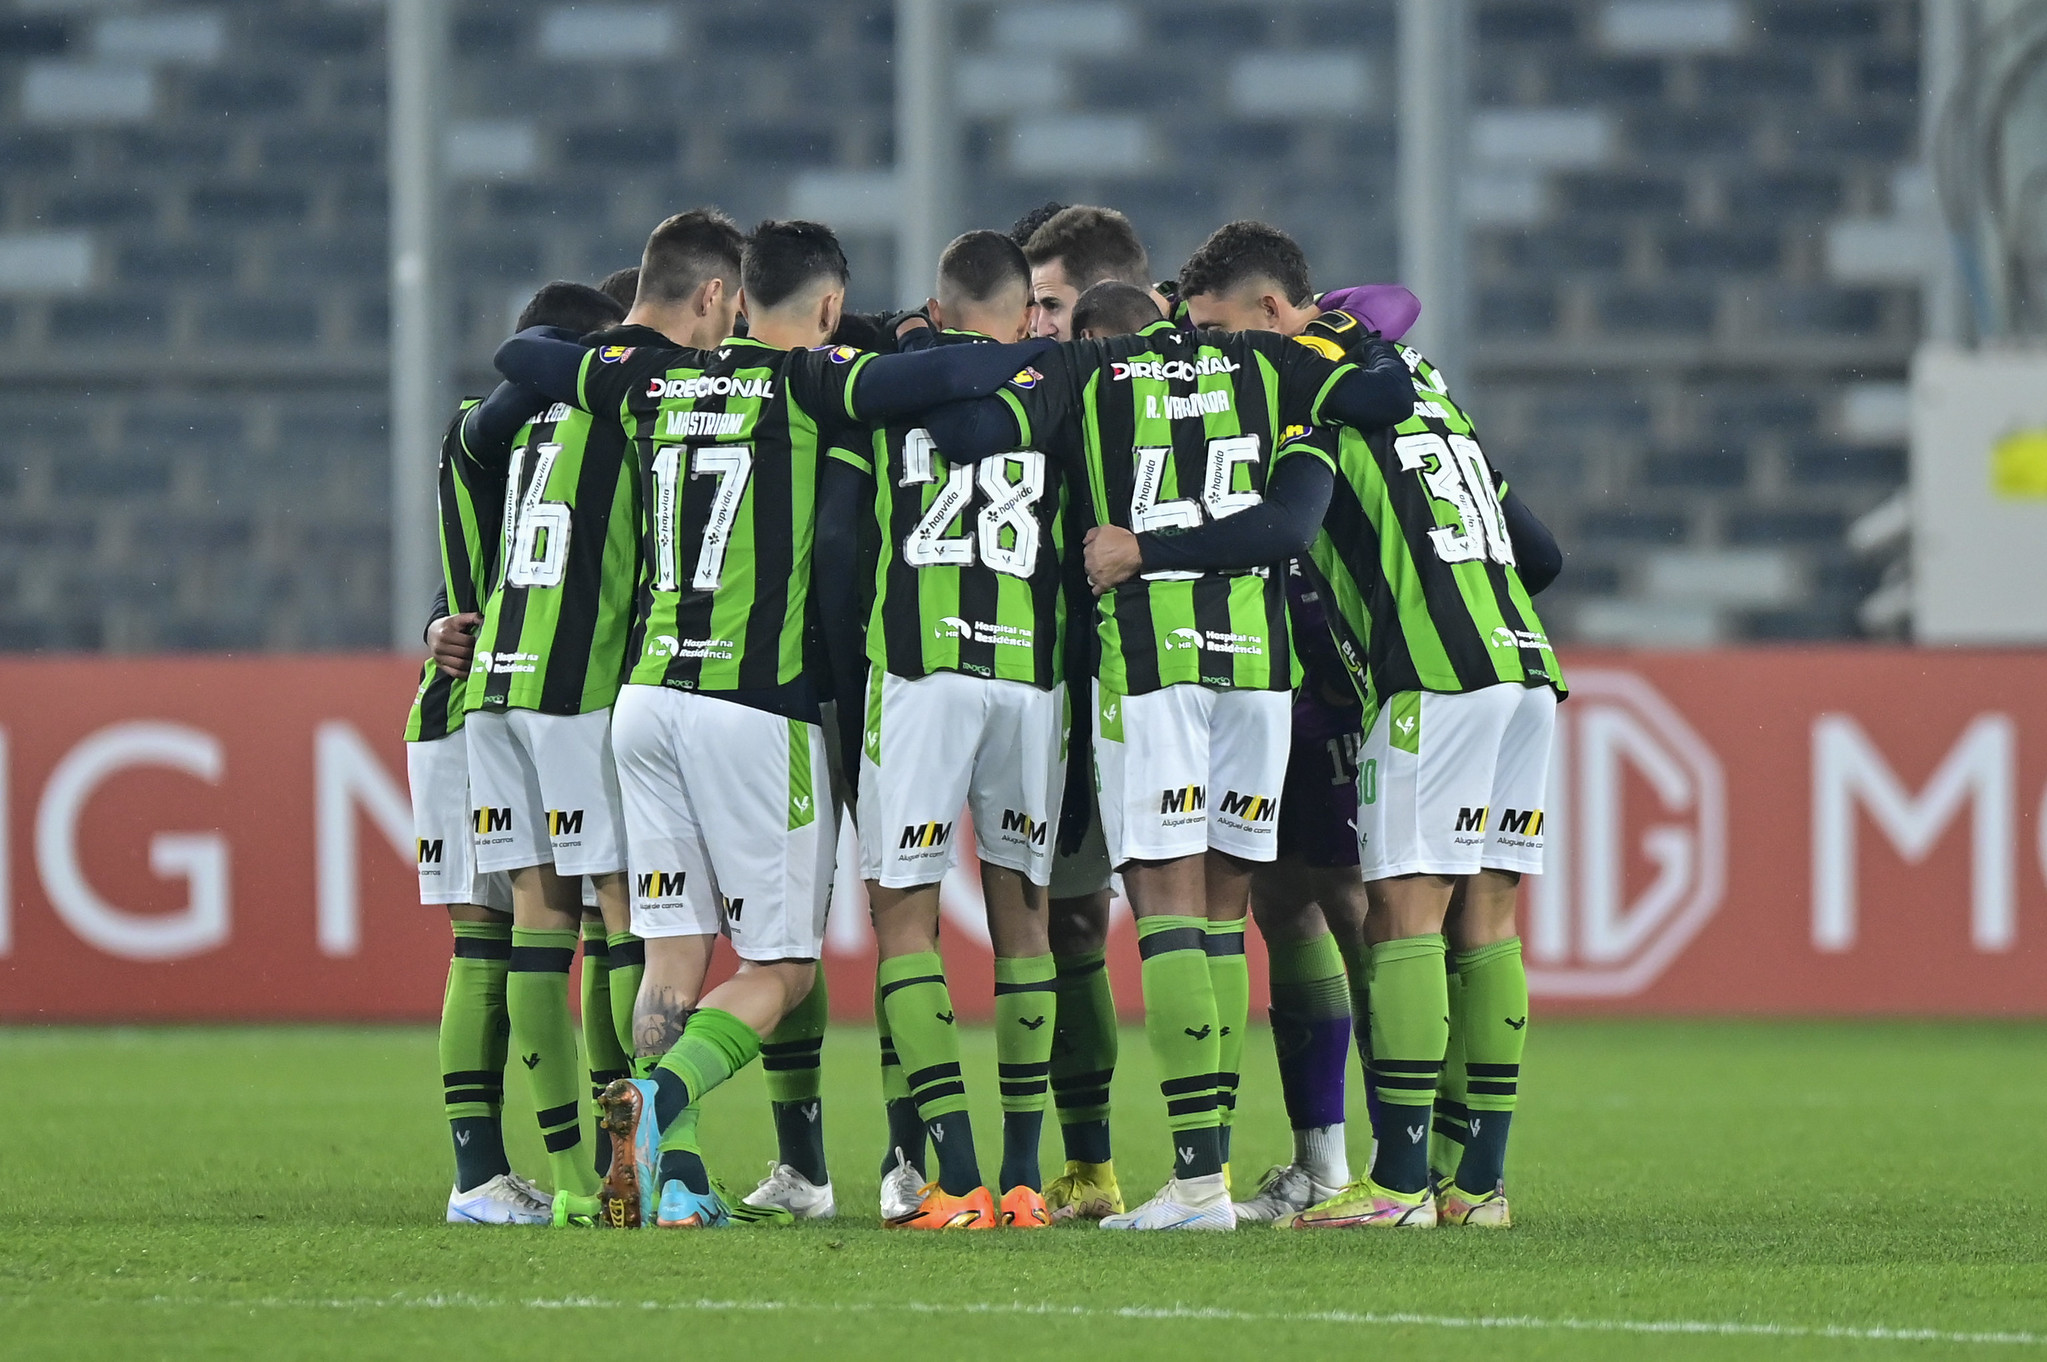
(1024, 1209)
(506, 1199)
(626, 1114)
(938, 1209)
(1176, 1207)
(1282, 1191)
(1455, 1206)
(576, 1212)
(901, 1189)
(784, 1197)
(1365, 1204)
(682, 1209)
(1086, 1191)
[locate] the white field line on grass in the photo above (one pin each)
(1384, 1319)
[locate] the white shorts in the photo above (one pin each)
(438, 772)
(729, 820)
(1191, 767)
(1453, 784)
(545, 792)
(947, 741)
(1086, 872)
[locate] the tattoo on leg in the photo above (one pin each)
(658, 1018)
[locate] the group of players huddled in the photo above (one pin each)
(1206, 582)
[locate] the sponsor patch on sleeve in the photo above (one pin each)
(615, 354)
(842, 354)
(1026, 378)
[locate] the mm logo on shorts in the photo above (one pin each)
(925, 835)
(493, 820)
(1471, 820)
(429, 851)
(1249, 808)
(733, 908)
(1186, 799)
(661, 884)
(1523, 823)
(564, 822)
(1023, 827)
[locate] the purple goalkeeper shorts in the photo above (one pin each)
(1318, 812)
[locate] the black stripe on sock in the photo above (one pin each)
(596, 948)
(1099, 1078)
(628, 954)
(889, 1058)
(1451, 1129)
(1081, 1099)
(599, 1078)
(1488, 1089)
(949, 1088)
(542, 959)
(555, 1116)
(483, 948)
(1397, 1084)
(1023, 1070)
(1492, 1070)
(557, 1141)
(779, 1064)
(1171, 939)
(887, 989)
(487, 1077)
(793, 1047)
(487, 1096)
(1043, 986)
(1021, 1087)
(1189, 1106)
(1193, 1083)
(1066, 971)
(1224, 943)
(934, 1072)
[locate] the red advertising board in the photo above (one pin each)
(1787, 831)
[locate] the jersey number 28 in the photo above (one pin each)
(1011, 486)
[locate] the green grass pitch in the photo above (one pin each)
(1691, 1190)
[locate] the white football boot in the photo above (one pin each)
(506, 1199)
(902, 1190)
(1179, 1206)
(785, 1195)
(1283, 1190)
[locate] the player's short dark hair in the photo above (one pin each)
(1114, 308)
(621, 286)
(574, 307)
(1027, 225)
(686, 252)
(1091, 244)
(978, 265)
(1237, 253)
(783, 257)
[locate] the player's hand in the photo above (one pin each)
(451, 640)
(916, 319)
(1112, 558)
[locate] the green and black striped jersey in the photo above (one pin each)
(727, 444)
(969, 573)
(554, 633)
(1418, 575)
(1172, 429)
(471, 501)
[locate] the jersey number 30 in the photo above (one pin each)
(1011, 485)
(1454, 469)
(732, 466)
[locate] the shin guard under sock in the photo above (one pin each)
(920, 1018)
(1410, 1030)
(1229, 974)
(1447, 1132)
(628, 967)
(1180, 1023)
(472, 1049)
(1493, 1006)
(1083, 1054)
(793, 1055)
(544, 1039)
(1026, 999)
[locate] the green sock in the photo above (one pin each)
(1230, 976)
(920, 1017)
(473, 1050)
(628, 966)
(905, 1126)
(714, 1045)
(1310, 1028)
(1083, 1054)
(1410, 1031)
(1446, 1135)
(793, 1056)
(601, 1050)
(1026, 996)
(1181, 1024)
(1494, 1013)
(544, 1039)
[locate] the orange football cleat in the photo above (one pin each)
(1024, 1209)
(939, 1210)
